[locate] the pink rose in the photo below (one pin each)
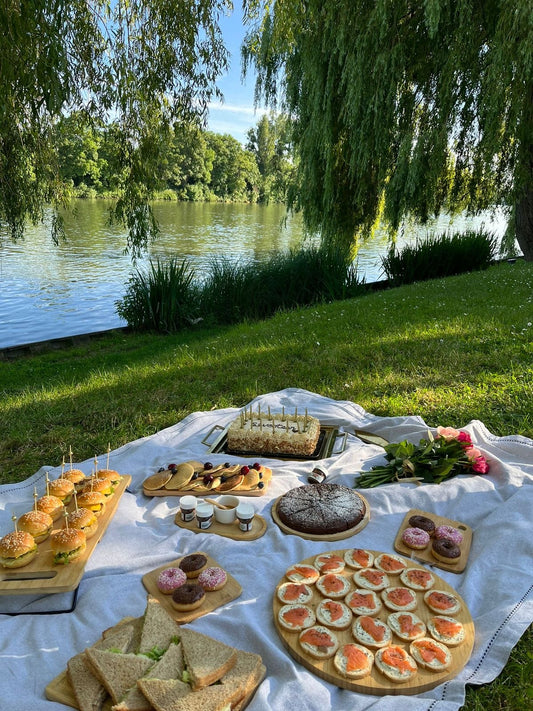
(472, 453)
(447, 433)
(464, 438)
(480, 466)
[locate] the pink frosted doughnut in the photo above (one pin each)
(212, 578)
(450, 534)
(170, 579)
(415, 538)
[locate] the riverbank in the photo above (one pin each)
(450, 350)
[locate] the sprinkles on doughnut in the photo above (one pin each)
(449, 533)
(170, 579)
(212, 579)
(415, 538)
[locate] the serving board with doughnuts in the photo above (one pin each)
(193, 478)
(425, 554)
(317, 635)
(213, 599)
(41, 575)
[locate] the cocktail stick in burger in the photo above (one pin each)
(62, 488)
(103, 486)
(83, 519)
(17, 548)
(50, 505)
(92, 500)
(67, 544)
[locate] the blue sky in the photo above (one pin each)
(236, 114)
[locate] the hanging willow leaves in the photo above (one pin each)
(401, 107)
(142, 65)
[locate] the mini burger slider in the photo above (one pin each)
(67, 544)
(50, 505)
(103, 486)
(17, 548)
(92, 500)
(77, 477)
(62, 488)
(110, 474)
(38, 523)
(83, 519)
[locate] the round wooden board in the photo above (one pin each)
(376, 683)
(228, 530)
(326, 537)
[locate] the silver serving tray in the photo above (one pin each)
(217, 442)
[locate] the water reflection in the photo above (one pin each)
(50, 291)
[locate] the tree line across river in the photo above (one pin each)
(196, 164)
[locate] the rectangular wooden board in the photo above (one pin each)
(41, 576)
(227, 530)
(60, 690)
(213, 600)
(425, 554)
(212, 492)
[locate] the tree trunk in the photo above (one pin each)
(524, 224)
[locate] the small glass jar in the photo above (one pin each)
(318, 475)
(204, 515)
(245, 516)
(188, 508)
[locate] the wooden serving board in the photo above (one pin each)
(212, 492)
(41, 576)
(326, 537)
(376, 683)
(213, 600)
(425, 554)
(60, 690)
(228, 530)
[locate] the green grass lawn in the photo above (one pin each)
(449, 350)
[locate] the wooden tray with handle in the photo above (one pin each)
(213, 599)
(41, 576)
(425, 554)
(376, 683)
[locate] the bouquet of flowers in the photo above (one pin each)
(432, 461)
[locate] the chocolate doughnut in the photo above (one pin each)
(423, 522)
(192, 565)
(188, 596)
(445, 550)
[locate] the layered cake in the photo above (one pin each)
(321, 509)
(277, 433)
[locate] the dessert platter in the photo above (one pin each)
(435, 540)
(280, 435)
(150, 662)
(220, 587)
(321, 511)
(372, 622)
(43, 575)
(204, 478)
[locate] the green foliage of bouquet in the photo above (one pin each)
(432, 461)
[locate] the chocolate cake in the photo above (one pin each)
(321, 509)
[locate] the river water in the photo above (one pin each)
(53, 291)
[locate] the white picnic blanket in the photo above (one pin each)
(497, 584)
